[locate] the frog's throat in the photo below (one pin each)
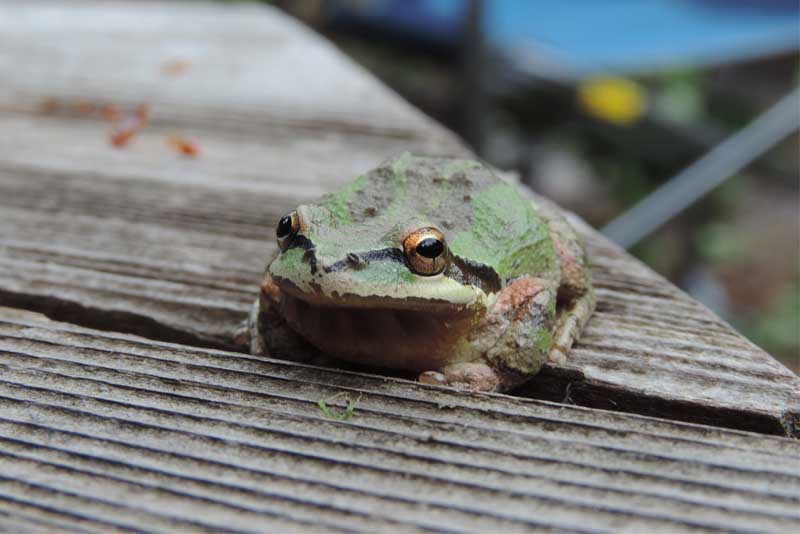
(374, 333)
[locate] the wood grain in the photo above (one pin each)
(99, 431)
(182, 263)
(142, 240)
(104, 431)
(245, 65)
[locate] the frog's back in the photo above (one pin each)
(437, 189)
(485, 218)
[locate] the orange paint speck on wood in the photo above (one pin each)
(110, 113)
(176, 67)
(130, 127)
(184, 146)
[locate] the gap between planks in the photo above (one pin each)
(169, 400)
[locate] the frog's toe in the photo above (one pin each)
(471, 376)
(241, 336)
(433, 377)
(557, 356)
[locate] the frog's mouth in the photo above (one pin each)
(403, 334)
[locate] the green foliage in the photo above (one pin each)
(338, 414)
(680, 97)
(720, 243)
(777, 330)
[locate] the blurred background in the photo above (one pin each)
(597, 104)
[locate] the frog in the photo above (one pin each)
(438, 267)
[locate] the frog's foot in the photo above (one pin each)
(241, 336)
(570, 324)
(268, 333)
(470, 376)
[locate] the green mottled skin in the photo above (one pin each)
(495, 237)
(484, 219)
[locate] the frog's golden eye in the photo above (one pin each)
(426, 251)
(287, 229)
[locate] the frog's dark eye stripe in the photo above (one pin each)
(286, 230)
(426, 251)
(362, 259)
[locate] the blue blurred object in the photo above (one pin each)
(439, 21)
(573, 39)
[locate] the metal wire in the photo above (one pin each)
(721, 162)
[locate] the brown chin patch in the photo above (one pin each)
(380, 336)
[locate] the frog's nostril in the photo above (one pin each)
(357, 261)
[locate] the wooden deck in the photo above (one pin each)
(126, 409)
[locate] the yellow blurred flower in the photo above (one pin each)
(612, 99)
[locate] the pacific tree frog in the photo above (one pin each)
(426, 264)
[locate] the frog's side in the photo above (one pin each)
(506, 288)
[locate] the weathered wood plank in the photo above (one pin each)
(184, 241)
(186, 269)
(143, 241)
(209, 440)
(102, 431)
(651, 349)
(243, 65)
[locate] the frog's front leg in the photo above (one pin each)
(509, 345)
(267, 331)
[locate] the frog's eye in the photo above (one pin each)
(426, 251)
(287, 229)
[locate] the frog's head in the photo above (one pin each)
(406, 265)
(409, 249)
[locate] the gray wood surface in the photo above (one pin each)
(145, 241)
(101, 430)
(104, 431)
